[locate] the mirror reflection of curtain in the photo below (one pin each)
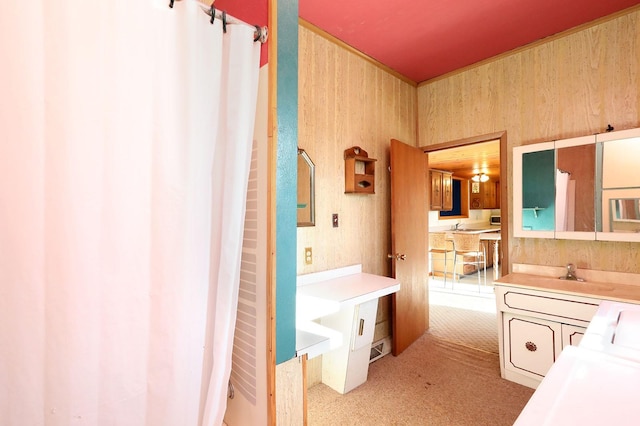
(123, 177)
(564, 204)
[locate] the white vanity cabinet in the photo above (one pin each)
(346, 367)
(534, 327)
(336, 317)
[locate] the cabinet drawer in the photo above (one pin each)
(563, 308)
(531, 345)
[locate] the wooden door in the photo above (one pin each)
(409, 239)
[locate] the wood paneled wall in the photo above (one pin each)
(571, 85)
(346, 101)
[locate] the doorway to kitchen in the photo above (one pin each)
(461, 310)
(480, 163)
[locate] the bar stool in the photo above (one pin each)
(468, 247)
(438, 244)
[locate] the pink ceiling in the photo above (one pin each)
(422, 39)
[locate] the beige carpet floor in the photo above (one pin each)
(444, 378)
(467, 319)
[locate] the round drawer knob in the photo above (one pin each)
(531, 346)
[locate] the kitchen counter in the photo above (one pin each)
(476, 230)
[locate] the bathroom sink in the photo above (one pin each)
(586, 286)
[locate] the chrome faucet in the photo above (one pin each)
(571, 273)
(456, 227)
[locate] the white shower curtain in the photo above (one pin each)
(125, 140)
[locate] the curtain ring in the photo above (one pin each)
(213, 14)
(224, 21)
(258, 33)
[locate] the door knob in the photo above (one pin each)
(397, 256)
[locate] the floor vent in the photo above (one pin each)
(380, 349)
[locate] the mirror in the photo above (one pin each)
(538, 192)
(625, 209)
(306, 190)
(534, 190)
(618, 190)
(585, 188)
(575, 214)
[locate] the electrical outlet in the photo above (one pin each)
(308, 256)
(334, 219)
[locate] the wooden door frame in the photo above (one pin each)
(504, 199)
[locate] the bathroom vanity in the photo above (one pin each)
(539, 315)
(336, 316)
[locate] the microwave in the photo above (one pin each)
(494, 220)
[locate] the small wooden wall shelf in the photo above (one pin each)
(359, 171)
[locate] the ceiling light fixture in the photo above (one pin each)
(480, 178)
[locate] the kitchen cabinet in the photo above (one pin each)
(438, 264)
(490, 199)
(535, 326)
(486, 195)
(441, 190)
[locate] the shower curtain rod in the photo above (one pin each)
(260, 34)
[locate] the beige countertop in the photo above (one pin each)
(479, 230)
(601, 290)
(471, 230)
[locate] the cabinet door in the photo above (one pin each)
(364, 324)
(531, 345)
(489, 195)
(436, 190)
(572, 335)
(447, 191)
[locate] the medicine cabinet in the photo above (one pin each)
(584, 188)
